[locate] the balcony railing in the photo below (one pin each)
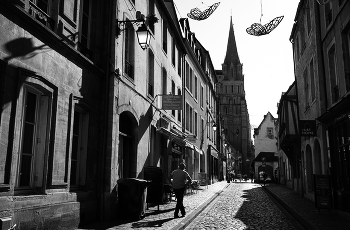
(41, 16)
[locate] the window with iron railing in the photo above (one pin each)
(38, 9)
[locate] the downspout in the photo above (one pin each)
(109, 78)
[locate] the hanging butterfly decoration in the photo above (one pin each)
(257, 29)
(197, 14)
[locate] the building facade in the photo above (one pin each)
(335, 41)
(320, 38)
(54, 68)
(265, 142)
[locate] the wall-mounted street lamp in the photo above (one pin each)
(143, 33)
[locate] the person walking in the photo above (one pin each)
(179, 177)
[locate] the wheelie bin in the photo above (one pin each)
(132, 194)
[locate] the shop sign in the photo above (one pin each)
(307, 127)
(322, 187)
(172, 102)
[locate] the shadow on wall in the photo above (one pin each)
(22, 48)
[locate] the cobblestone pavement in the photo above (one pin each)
(164, 217)
(242, 206)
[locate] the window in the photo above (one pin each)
(150, 73)
(302, 39)
(191, 80)
(179, 111)
(187, 76)
(129, 45)
(308, 17)
(173, 93)
(195, 123)
(151, 6)
(332, 62)
(346, 55)
(195, 87)
(312, 80)
(270, 132)
(189, 118)
(296, 47)
(202, 128)
(306, 88)
(173, 51)
(84, 28)
(328, 13)
(165, 36)
(164, 81)
(34, 139)
(179, 63)
(79, 148)
(202, 97)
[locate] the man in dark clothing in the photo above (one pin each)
(179, 177)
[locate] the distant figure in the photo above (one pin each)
(179, 177)
(251, 177)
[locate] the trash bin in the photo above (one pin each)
(132, 194)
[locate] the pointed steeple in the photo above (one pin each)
(231, 51)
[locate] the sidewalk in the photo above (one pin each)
(164, 217)
(305, 212)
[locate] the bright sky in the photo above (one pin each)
(267, 60)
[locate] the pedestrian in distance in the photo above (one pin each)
(179, 178)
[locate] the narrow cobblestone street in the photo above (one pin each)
(242, 206)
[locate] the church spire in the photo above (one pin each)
(231, 52)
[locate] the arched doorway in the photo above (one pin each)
(309, 168)
(127, 158)
(317, 157)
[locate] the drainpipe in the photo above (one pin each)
(109, 76)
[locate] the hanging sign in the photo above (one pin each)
(172, 102)
(307, 127)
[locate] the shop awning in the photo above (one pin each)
(173, 136)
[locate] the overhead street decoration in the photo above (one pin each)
(197, 14)
(256, 29)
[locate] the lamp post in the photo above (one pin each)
(143, 33)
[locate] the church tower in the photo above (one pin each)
(233, 106)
